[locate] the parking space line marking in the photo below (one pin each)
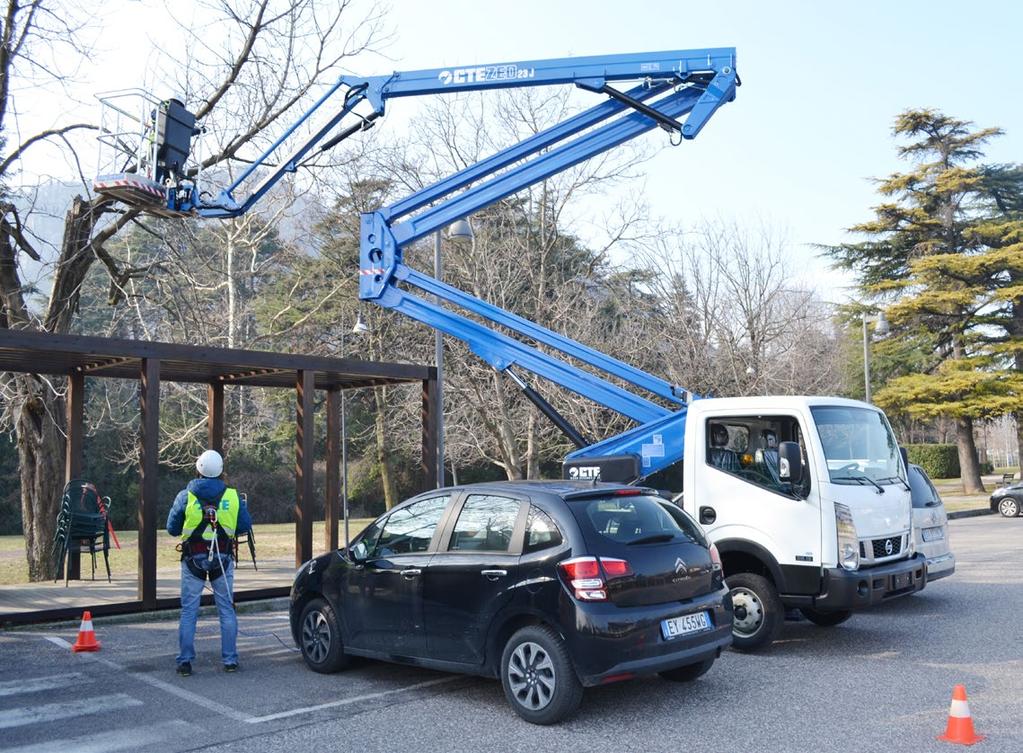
(57, 641)
(348, 701)
(207, 703)
(124, 739)
(36, 684)
(187, 695)
(52, 712)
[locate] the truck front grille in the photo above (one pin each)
(887, 547)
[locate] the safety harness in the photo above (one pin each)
(221, 544)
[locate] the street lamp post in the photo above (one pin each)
(458, 229)
(359, 329)
(882, 329)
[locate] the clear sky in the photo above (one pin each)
(822, 83)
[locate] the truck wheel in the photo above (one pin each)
(826, 619)
(757, 611)
(689, 672)
(1008, 507)
(538, 678)
(320, 638)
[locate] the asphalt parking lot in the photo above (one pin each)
(881, 681)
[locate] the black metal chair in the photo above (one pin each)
(249, 538)
(82, 525)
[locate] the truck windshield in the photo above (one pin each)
(858, 445)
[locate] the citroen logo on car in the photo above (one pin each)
(889, 547)
(680, 566)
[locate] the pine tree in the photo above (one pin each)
(939, 251)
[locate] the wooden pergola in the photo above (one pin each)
(79, 357)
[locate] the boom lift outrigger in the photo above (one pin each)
(690, 84)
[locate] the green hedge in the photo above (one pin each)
(939, 460)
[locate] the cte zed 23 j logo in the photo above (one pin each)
(510, 72)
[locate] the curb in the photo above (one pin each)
(163, 615)
(970, 513)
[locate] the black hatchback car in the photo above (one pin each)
(550, 586)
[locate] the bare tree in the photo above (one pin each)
(734, 321)
(277, 53)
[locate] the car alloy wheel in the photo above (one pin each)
(316, 636)
(1008, 507)
(531, 676)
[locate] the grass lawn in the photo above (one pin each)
(274, 541)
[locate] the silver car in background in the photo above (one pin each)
(930, 525)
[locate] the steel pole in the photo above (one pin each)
(866, 360)
(438, 344)
(344, 454)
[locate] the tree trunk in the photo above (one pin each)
(532, 448)
(383, 452)
(969, 468)
(509, 445)
(39, 424)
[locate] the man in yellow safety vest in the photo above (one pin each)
(208, 515)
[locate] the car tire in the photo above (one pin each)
(689, 672)
(1009, 507)
(538, 678)
(319, 638)
(826, 619)
(757, 611)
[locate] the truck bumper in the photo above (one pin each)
(861, 589)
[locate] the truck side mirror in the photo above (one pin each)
(790, 463)
(905, 458)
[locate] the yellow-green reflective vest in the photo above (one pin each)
(227, 515)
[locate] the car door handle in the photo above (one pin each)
(410, 573)
(493, 574)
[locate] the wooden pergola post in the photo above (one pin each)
(428, 464)
(75, 404)
(305, 449)
(215, 417)
(149, 404)
(332, 504)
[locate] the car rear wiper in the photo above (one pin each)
(657, 538)
(860, 479)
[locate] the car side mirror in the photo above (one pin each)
(790, 463)
(905, 458)
(359, 552)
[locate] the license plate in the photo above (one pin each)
(933, 534)
(900, 581)
(687, 624)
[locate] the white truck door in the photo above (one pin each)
(736, 493)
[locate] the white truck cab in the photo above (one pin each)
(807, 501)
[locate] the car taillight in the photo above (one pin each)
(585, 576)
(715, 559)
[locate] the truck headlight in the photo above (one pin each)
(848, 543)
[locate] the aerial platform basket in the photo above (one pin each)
(144, 147)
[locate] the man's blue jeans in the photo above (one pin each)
(191, 592)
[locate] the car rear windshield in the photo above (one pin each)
(633, 519)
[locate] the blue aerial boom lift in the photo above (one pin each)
(677, 91)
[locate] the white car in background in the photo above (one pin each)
(930, 525)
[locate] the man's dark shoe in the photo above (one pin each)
(185, 669)
(230, 667)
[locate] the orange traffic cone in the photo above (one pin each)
(960, 723)
(86, 637)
